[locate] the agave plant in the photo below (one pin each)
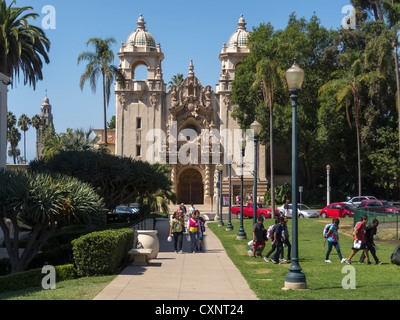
(44, 203)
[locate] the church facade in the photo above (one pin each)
(189, 127)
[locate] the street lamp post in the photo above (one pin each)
(328, 185)
(220, 167)
(241, 234)
(256, 127)
(295, 279)
(229, 226)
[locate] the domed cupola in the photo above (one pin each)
(241, 35)
(141, 37)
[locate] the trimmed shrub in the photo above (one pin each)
(102, 252)
(33, 278)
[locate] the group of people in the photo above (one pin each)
(195, 228)
(279, 235)
(363, 239)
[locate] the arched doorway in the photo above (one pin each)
(191, 187)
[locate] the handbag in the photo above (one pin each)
(169, 239)
(357, 244)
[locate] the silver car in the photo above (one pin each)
(355, 201)
(303, 211)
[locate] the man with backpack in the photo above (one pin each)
(332, 234)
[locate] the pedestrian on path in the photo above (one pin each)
(369, 239)
(202, 228)
(333, 240)
(359, 242)
(193, 227)
(270, 235)
(176, 229)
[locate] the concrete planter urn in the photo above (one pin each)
(147, 239)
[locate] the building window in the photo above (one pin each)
(138, 151)
(138, 123)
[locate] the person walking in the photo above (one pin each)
(286, 242)
(270, 235)
(193, 227)
(278, 240)
(370, 232)
(176, 229)
(359, 242)
(333, 240)
(202, 228)
(286, 208)
(259, 236)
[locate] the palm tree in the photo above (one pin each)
(36, 123)
(349, 84)
(14, 136)
(176, 80)
(22, 46)
(269, 76)
(100, 63)
(24, 122)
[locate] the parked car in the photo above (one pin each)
(337, 210)
(381, 206)
(355, 201)
(262, 209)
(133, 209)
(303, 211)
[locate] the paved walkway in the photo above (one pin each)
(208, 275)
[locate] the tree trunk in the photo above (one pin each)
(105, 112)
(396, 62)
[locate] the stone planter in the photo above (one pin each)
(149, 240)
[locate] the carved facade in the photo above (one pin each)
(190, 126)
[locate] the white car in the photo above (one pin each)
(355, 201)
(303, 211)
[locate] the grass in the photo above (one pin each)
(77, 289)
(324, 280)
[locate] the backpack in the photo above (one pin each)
(326, 230)
(270, 232)
(395, 258)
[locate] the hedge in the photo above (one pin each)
(102, 252)
(33, 278)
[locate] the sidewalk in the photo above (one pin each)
(207, 275)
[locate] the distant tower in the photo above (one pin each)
(46, 117)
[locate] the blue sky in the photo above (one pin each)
(186, 30)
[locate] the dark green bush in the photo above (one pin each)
(102, 252)
(33, 278)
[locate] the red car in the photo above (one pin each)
(381, 206)
(337, 210)
(262, 210)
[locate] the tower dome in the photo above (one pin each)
(141, 37)
(241, 35)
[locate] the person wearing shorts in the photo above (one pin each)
(359, 235)
(259, 236)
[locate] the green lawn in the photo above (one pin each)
(324, 280)
(77, 289)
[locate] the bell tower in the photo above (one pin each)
(139, 106)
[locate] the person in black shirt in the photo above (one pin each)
(278, 240)
(259, 236)
(369, 239)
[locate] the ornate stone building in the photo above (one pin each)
(190, 126)
(46, 116)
